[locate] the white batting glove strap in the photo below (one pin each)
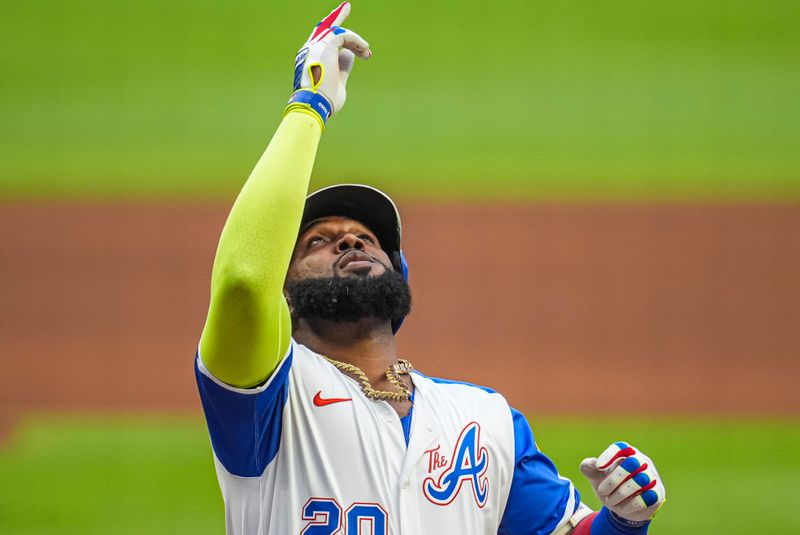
(323, 65)
(626, 481)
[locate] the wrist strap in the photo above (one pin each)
(608, 523)
(307, 100)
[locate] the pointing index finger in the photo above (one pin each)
(335, 18)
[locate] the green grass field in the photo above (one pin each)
(621, 100)
(98, 475)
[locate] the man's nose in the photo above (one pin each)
(350, 241)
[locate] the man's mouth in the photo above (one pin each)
(356, 258)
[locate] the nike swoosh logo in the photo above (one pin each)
(319, 401)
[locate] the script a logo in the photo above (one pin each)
(468, 465)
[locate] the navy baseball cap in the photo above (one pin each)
(365, 204)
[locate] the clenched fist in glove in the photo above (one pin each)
(626, 481)
(323, 65)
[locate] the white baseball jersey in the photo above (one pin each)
(308, 453)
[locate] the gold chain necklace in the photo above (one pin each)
(401, 367)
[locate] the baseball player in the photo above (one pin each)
(317, 425)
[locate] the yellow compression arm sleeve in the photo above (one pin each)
(248, 328)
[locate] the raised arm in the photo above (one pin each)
(248, 328)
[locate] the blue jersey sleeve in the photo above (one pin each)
(244, 424)
(539, 500)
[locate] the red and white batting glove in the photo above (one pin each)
(323, 65)
(626, 481)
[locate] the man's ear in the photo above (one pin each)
(288, 301)
(291, 309)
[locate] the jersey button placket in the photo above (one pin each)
(409, 517)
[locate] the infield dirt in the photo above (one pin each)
(564, 309)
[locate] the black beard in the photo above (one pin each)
(350, 299)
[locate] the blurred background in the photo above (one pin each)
(601, 208)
